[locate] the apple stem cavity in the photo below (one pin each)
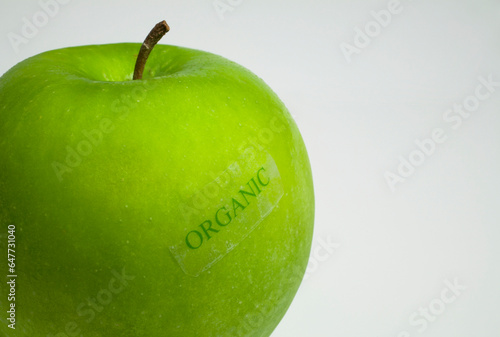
(149, 43)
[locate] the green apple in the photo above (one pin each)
(178, 204)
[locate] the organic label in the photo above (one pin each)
(233, 205)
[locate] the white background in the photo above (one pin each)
(391, 252)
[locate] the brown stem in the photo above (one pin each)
(152, 39)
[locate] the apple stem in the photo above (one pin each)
(152, 39)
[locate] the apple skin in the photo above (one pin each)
(96, 170)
